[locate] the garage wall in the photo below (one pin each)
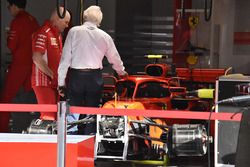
(231, 16)
(242, 24)
(223, 19)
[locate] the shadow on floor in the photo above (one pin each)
(174, 162)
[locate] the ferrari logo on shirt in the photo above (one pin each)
(193, 21)
(53, 42)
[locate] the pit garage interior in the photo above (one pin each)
(197, 44)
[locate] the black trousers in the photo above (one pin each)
(85, 89)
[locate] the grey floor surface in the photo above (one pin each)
(175, 162)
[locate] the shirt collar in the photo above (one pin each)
(53, 28)
(21, 12)
(89, 24)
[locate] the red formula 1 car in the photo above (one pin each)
(150, 138)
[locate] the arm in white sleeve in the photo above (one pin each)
(114, 58)
(65, 61)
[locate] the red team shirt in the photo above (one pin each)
(47, 41)
(19, 40)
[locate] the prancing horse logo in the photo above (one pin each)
(193, 21)
(125, 106)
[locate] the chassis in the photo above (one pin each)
(122, 137)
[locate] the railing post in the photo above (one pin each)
(62, 108)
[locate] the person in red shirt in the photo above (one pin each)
(19, 42)
(47, 50)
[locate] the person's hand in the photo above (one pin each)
(62, 91)
(124, 75)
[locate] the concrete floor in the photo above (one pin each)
(191, 162)
(174, 162)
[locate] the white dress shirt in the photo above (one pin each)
(85, 48)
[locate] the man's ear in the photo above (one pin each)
(14, 6)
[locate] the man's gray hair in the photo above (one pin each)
(93, 14)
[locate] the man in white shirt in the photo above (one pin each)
(83, 52)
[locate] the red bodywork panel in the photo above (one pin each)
(39, 150)
(200, 75)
